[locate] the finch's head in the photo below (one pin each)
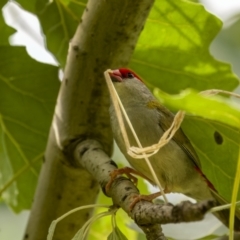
(123, 74)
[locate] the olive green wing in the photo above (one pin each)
(165, 121)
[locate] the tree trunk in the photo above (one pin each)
(104, 39)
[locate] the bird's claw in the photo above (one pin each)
(148, 198)
(126, 170)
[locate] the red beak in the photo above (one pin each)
(116, 76)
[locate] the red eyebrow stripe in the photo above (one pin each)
(124, 72)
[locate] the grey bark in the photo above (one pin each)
(104, 39)
(148, 216)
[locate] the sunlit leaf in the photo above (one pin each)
(214, 107)
(173, 50)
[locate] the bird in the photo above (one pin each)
(176, 164)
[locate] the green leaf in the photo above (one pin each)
(217, 146)
(218, 108)
(173, 50)
(214, 133)
(79, 234)
(59, 21)
(5, 30)
(210, 237)
(116, 234)
(141, 236)
(28, 94)
(28, 5)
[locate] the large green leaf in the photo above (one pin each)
(173, 50)
(213, 130)
(217, 146)
(28, 5)
(59, 20)
(28, 91)
(5, 30)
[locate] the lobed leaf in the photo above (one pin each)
(5, 30)
(173, 50)
(28, 94)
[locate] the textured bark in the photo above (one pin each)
(104, 39)
(148, 216)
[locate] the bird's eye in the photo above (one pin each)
(130, 75)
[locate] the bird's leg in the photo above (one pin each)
(148, 198)
(128, 171)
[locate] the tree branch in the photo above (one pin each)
(105, 38)
(148, 216)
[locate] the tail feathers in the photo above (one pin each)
(224, 215)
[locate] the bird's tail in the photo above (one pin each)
(224, 215)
